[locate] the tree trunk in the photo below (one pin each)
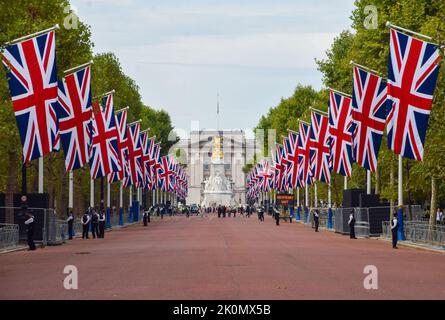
(377, 180)
(433, 206)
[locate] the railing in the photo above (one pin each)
(419, 232)
(323, 217)
(9, 236)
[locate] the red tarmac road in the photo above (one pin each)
(231, 258)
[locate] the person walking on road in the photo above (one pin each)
(394, 228)
(30, 225)
(144, 218)
(351, 224)
(277, 217)
(70, 221)
(95, 223)
(85, 225)
(101, 224)
(316, 219)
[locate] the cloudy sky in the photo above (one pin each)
(183, 52)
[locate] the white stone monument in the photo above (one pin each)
(217, 188)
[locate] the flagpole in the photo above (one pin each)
(40, 186)
(298, 205)
(56, 27)
(368, 181)
(366, 68)
(345, 183)
(130, 214)
(315, 196)
(121, 203)
(400, 231)
(329, 206)
(92, 193)
(341, 93)
(390, 25)
(79, 67)
(306, 201)
(104, 94)
(319, 111)
(70, 189)
(108, 210)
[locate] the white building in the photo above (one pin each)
(237, 149)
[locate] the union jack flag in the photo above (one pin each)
(291, 151)
(412, 74)
(104, 151)
(304, 153)
(146, 160)
(156, 165)
(74, 112)
(166, 174)
(369, 111)
(134, 156)
(265, 176)
(32, 79)
(340, 129)
(320, 151)
(280, 168)
(121, 122)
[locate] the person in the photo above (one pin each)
(316, 219)
(101, 218)
(277, 217)
(187, 212)
(95, 224)
(85, 224)
(241, 211)
(70, 221)
(438, 216)
(351, 224)
(162, 211)
(144, 218)
(224, 210)
(219, 211)
(158, 211)
(30, 224)
(394, 228)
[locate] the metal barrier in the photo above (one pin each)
(418, 232)
(9, 236)
(323, 217)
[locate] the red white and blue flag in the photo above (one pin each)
(134, 156)
(166, 174)
(32, 79)
(340, 129)
(155, 168)
(291, 152)
(369, 111)
(265, 175)
(304, 153)
(412, 74)
(280, 166)
(121, 123)
(74, 112)
(320, 148)
(146, 160)
(104, 150)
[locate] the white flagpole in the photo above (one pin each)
(121, 198)
(153, 194)
(345, 183)
(368, 181)
(108, 194)
(298, 197)
(306, 196)
(400, 182)
(70, 189)
(40, 187)
(329, 195)
(315, 196)
(92, 193)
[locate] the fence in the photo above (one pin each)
(418, 232)
(9, 236)
(323, 217)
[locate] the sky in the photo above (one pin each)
(182, 53)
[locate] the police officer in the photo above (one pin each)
(94, 223)
(316, 219)
(394, 229)
(30, 224)
(144, 218)
(101, 224)
(85, 225)
(162, 211)
(70, 221)
(277, 217)
(351, 224)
